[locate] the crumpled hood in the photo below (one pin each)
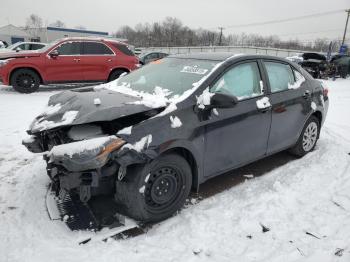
(21, 54)
(80, 107)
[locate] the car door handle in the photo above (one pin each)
(76, 59)
(307, 94)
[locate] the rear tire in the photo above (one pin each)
(308, 138)
(25, 81)
(116, 74)
(154, 191)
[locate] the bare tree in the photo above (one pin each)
(171, 32)
(34, 24)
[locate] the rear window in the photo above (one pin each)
(124, 49)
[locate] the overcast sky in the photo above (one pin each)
(109, 15)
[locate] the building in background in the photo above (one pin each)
(50, 34)
(12, 34)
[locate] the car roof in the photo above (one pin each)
(222, 56)
(31, 43)
(92, 38)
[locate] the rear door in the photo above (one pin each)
(97, 61)
(238, 135)
(66, 67)
(291, 104)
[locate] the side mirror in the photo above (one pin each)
(54, 53)
(220, 100)
(18, 49)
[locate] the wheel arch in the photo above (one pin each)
(125, 69)
(318, 115)
(191, 160)
(28, 68)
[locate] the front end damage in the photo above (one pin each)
(83, 175)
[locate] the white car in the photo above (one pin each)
(23, 46)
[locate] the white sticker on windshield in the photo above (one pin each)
(194, 70)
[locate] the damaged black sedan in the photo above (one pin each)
(142, 142)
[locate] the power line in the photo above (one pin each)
(314, 32)
(286, 19)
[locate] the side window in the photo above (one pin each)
(35, 47)
(280, 76)
(124, 49)
(93, 48)
(70, 48)
(242, 81)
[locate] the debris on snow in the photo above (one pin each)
(97, 101)
(125, 131)
(264, 228)
(263, 103)
(339, 252)
(197, 251)
(175, 122)
(313, 235)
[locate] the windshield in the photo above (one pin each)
(176, 75)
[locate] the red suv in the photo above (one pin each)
(67, 60)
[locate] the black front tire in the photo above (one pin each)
(302, 147)
(25, 81)
(115, 74)
(155, 191)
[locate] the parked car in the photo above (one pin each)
(66, 61)
(23, 46)
(3, 44)
(314, 63)
(342, 65)
(148, 57)
(145, 140)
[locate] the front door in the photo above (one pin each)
(238, 135)
(291, 104)
(66, 67)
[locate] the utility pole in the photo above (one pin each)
(220, 39)
(346, 25)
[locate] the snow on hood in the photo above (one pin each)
(73, 108)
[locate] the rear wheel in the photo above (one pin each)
(308, 138)
(155, 191)
(115, 74)
(25, 81)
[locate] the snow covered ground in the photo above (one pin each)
(303, 204)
